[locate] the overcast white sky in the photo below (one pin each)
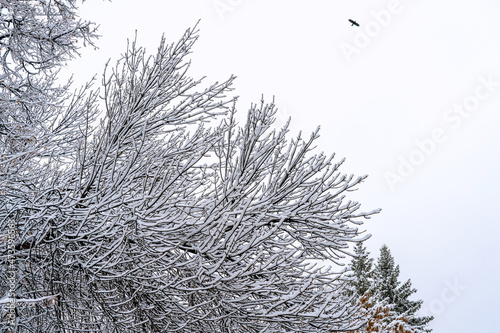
(376, 97)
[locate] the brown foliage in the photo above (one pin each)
(380, 318)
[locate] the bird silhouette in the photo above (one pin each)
(354, 23)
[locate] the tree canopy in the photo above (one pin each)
(165, 214)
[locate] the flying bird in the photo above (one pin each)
(354, 23)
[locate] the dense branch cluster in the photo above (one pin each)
(165, 214)
(37, 118)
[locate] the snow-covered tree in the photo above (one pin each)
(361, 271)
(38, 120)
(388, 288)
(39, 125)
(386, 276)
(166, 215)
(381, 317)
(383, 299)
(36, 38)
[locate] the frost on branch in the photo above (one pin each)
(38, 119)
(38, 35)
(157, 220)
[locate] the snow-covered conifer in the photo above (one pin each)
(361, 270)
(389, 289)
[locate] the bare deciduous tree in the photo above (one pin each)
(167, 216)
(36, 37)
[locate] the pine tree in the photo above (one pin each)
(389, 288)
(379, 312)
(386, 276)
(381, 317)
(361, 271)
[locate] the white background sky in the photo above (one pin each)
(441, 222)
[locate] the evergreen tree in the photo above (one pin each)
(389, 288)
(361, 271)
(378, 311)
(386, 276)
